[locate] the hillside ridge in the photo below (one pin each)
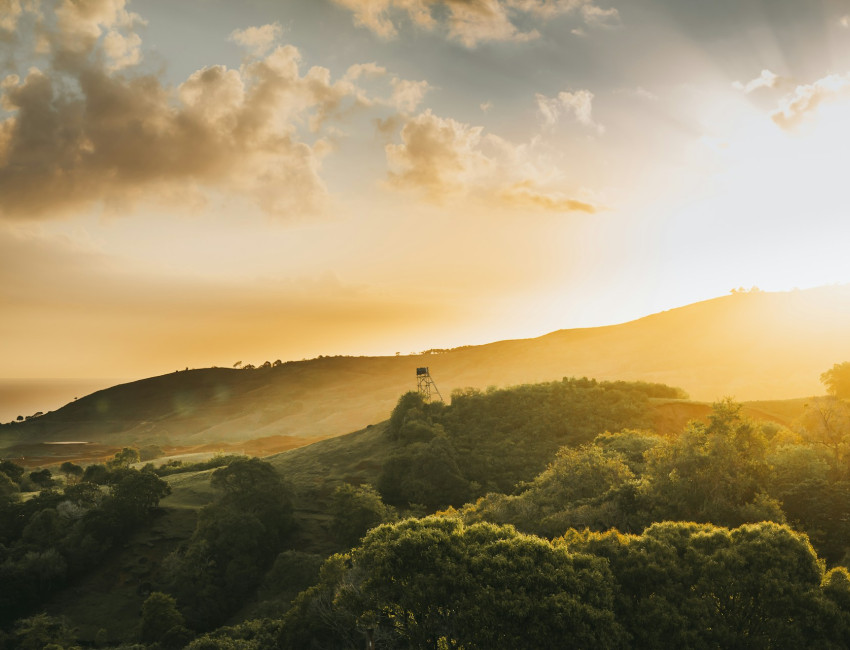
(751, 346)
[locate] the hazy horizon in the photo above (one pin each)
(202, 183)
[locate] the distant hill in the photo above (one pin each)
(752, 346)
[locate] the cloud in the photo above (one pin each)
(10, 12)
(82, 132)
(79, 25)
(374, 14)
(446, 159)
(806, 99)
(407, 95)
(579, 104)
(471, 22)
(597, 17)
(359, 70)
(766, 79)
(122, 50)
(438, 155)
(525, 194)
(257, 40)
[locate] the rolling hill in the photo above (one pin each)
(752, 346)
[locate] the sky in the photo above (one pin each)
(196, 183)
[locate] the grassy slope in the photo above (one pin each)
(750, 346)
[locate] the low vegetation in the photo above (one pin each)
(508, 518)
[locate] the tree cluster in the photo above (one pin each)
(236, 539)
(437, 583)
(489, 442)
(58, 535)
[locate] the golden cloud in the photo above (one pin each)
(471, 22)
(85, 130)
(443, 159)
(806, 99)
(579, 104)
(257, 40)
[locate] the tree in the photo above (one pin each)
(137, 493)
(71, 470)
(355, 510)
(411, 405)
(837, 380)
(426, 474)
(430, 583)
(826, 421)
(159, 615)
(235, 540)
(38, 632)
(714, 473)
(124, 458)
(578, 489)
(12, 470)
(687, 585)
(9, 490)
(96, 473)
(42, 478)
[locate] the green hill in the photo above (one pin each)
(114, 591)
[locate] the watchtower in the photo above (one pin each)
(425, 384)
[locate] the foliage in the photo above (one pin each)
(701, 586)
(159, 615)
(71, 470)
(712, 473)
(571, 492)
(8, 488)
(837, 380)
(181, 467)
(57, 536)
(424, 473)
(42, 631)
(235, 540)
(250, 635)
(437, 583)
(411, 406)
(356, 509)
(43, 478)
(291, 573)
(493, 441)
(12, 470)
(124, 458)
(826, 422)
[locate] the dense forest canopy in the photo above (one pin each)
(508, 518)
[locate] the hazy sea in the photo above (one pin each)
(28, 396)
